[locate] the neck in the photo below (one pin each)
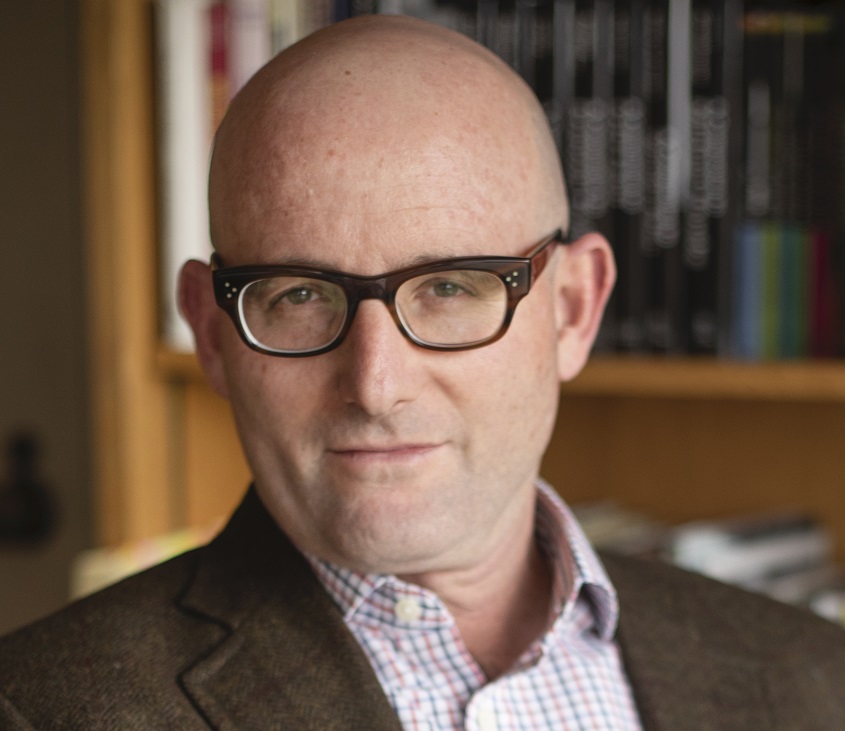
(500, 606)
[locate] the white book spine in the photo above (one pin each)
(287, 19)
(183, 39)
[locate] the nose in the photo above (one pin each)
(378, 368)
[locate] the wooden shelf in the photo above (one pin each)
(711, 379)
(654, 377)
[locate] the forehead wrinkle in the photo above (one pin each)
(327, 200)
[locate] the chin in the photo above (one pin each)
(393, 551)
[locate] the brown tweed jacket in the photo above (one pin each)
(240, 635)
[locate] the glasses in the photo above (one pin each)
(449, 304)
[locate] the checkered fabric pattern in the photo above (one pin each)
(571, 678)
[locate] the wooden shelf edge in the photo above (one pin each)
(655, 377)
(704, 378)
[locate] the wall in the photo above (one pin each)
(42, 318)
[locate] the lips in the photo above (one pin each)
(383, 451)
(382, 448)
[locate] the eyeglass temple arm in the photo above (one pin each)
(541, 258)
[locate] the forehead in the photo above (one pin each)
(367, 167)
(367, 210)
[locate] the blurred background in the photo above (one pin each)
(45, 475)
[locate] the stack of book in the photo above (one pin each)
(620, 529)
(788, 556)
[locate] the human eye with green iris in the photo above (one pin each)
(444, 286)
(289, 294)
(448, 288)
(299, 295)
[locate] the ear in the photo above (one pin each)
(584, 277)
(197, 305)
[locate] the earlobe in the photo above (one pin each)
(584, 279)
(197, 305)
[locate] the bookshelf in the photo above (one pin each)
(706, 378)
(679, 438)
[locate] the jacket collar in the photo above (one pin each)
(279, 652)
(686, 666)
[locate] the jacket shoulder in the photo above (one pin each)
(725, 652)
(758, 622)
(130, 638)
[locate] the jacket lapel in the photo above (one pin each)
(286, 659)
(686, 670)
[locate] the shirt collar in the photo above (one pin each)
(577, 570)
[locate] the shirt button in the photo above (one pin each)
(487, 719)
(407, 610)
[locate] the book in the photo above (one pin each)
(771, 264)
(629, 125)
(756, 281)
(793, 292)
(250, 39)
(588, 138)
(666, 178)
(750, 551)
(220, 86)
(820, 177)
(287, 24)
(562, 70)
(746, 331)
(586, 145)
(708, 221)
(184, 65)
(206, 51)
(611, 526)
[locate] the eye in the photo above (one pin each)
(445, 285)
(278, 294)
(447, 288)
(295, 296)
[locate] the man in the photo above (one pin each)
(384, 196)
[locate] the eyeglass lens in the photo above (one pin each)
(298, 314)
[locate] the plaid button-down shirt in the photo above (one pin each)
(570, 678)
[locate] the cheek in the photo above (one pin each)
(534, 370)
(516, 383)
(271, 398)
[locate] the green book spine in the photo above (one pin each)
(771, 289)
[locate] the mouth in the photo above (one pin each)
(384, 452)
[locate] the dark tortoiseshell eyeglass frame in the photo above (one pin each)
(517, 274)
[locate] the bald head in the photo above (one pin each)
(376, 112)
